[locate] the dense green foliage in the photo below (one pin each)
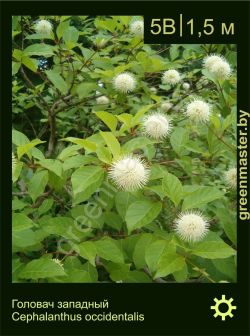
(70, 223)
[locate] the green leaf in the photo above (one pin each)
(140, 248)
(17, 171)
(125, 118)
(117, 271)
(228, 121)
(157, 172)
(157, 189)
(30, 63)
(104, 154)
(85, 181)
(137, 143)
(202, 195)
(77, 272)
(88, 215)
(108, 119)
(226, 266)
(18, 204)
(15, 67)
(21, 222)
(178, 139)
(169, 262)
(172, 188)
(213, 249)
(25, 149)
(37, 184)
(228, 221)
(230, 228)
(40, 37)
(84, 143)
(55, 182)
(108, 249)
(123, 200)
(23, 239)
(84, 89)
(88, 251)
(182, 274)
(78, 161)
(112, 143)
(40, 269)
(70, 37)
(141, 213)
(63, 226)
(108, 24)
(45, 207)
(174, 51)
(39, 49)
(17, 266)
(69, 152)
(53, 165)
(91, 272)
(18, 138)
(57, 80)
(153, 252)
(113, 220)
(17, 54)
(61, 28)
(137, 277)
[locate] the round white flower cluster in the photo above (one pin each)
(171, 77)
(198, 111)
(231, 178)
(103, 100)
(137, 28)
(124, 82)
(156, 126)
(166, 106)
(217, 66)
(129, 173)
(153, 90)
(191, 226)
(43, 27)
(186, 86)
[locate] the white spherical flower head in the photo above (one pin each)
(103, 100)
(156, 126)
(198, 111)
(231, 178)
(186, 86)
(137, 28)
(129, 173)
(43, 27)
(221, 70)
(210, 60)
(124, 82)
(165, 107)
(153, 90)
(171, 77)
(191, 226)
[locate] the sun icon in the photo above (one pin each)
(218, 305)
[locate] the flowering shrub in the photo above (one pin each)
(123, 157)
